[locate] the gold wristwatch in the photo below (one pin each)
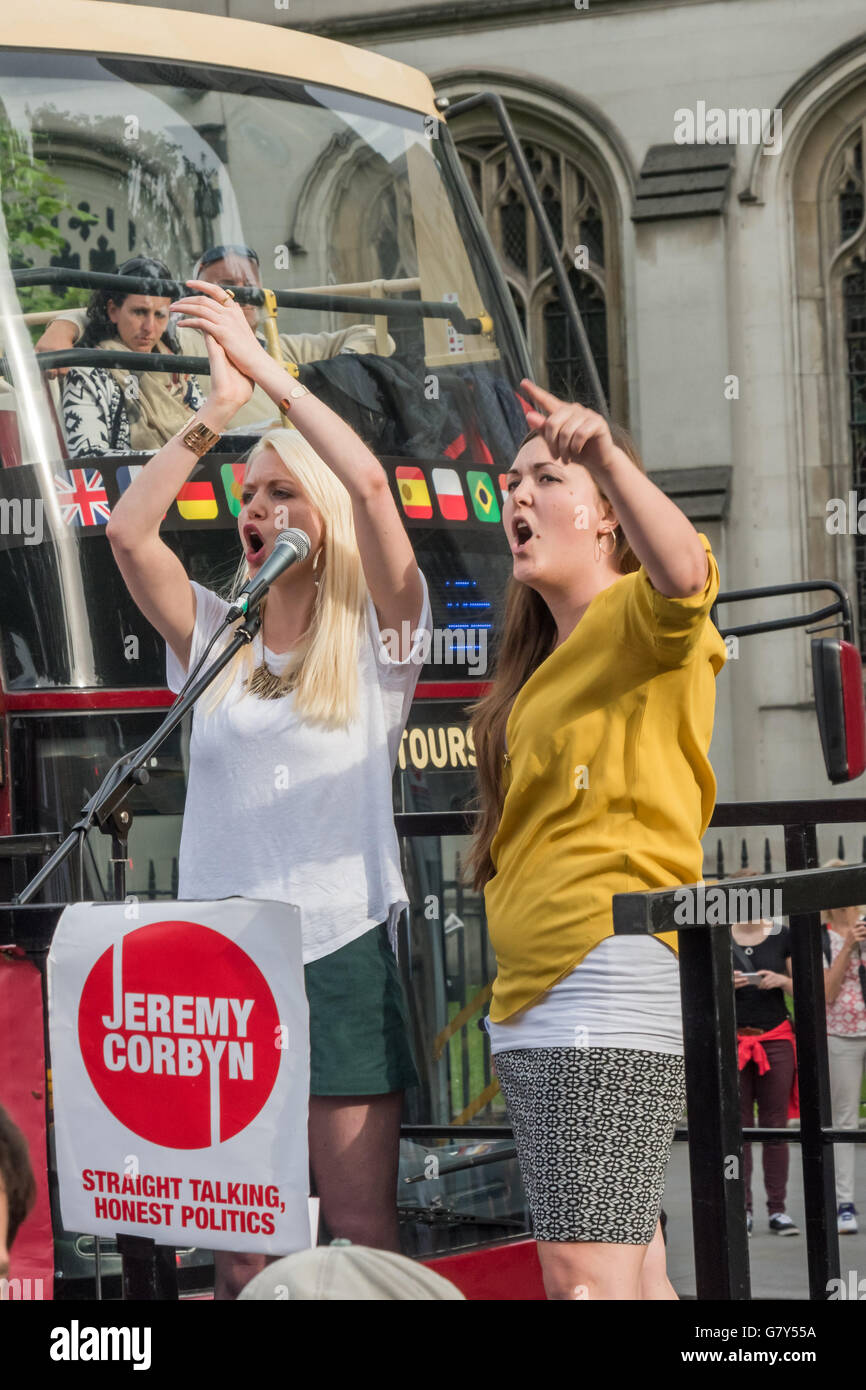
(199, 438)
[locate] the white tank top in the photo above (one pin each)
(279, 808)
(624, 993)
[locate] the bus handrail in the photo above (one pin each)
(286, 299)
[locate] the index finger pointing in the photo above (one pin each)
(546, 399)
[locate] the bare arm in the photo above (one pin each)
(661, 536)
(835, 973)
(387, 557)
(153, 574)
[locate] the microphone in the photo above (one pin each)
(290, 546)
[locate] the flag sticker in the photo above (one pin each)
(232, 475)
(503, 485)
(449, 494)
(414, 494)
(82, 497)
(196, 502)
(483, 496)
(125, 474)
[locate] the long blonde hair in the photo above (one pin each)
(323, 671)
(528, 637)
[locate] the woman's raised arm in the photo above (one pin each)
(153, 574)
(661, 536)
(388, 560)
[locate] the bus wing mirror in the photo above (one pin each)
(837, 673)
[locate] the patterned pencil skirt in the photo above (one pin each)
(593, 1128)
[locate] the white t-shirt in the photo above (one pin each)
(624, 993)
(281, 808)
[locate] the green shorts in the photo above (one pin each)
(359, 1020)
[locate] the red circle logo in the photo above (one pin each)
(178, 1031)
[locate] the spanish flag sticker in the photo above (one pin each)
(196, 502)
(483, 496)
(232, 475)
(414, 494)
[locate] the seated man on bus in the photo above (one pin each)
(236, 267)
(116, 409)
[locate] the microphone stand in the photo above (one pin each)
(103, 808)
(149, 1271)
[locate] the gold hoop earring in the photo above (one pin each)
(316, 567)
(598, 550)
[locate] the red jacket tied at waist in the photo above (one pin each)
(750, 1049)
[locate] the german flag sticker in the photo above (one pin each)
(232, 475)
(483, 496)
(196, 502)
(414, 494)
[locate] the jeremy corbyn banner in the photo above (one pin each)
(180, 1058)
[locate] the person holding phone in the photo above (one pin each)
(592, 751)
(293, 747)
(845, 992)
(766, 1054)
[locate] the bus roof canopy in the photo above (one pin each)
(98, 27)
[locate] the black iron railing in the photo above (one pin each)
(715, 1135)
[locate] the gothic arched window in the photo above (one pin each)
(577, 217)
(846, 224)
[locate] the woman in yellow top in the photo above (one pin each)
(594, 776)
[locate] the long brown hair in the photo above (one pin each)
(528, 637)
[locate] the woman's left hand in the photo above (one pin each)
(572, 433)
(214, 312)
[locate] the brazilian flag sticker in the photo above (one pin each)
(483, 495)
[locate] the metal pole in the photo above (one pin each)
(713, 1107)
(810, 1023)
(554, 252)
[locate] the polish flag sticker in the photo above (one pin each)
(449, 494)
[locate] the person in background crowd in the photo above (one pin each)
(766, 1053)
(17, 1187)
(109, 410)
(845, 991)
(592, 751)
(233, 267)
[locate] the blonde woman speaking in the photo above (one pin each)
(320, 695)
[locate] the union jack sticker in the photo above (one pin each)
(82, 497)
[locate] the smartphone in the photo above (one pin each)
(751, 978)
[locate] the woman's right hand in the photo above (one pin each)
(217, 315)
(739, 979)
(229, 387)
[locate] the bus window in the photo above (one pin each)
(354, 212)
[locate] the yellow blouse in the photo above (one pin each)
(609, 787)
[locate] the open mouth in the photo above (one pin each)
(254, 542)
(522, 533)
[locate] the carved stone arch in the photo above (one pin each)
(594, 169)
(820, 175)
(325, 220)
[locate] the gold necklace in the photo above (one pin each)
(269, 686)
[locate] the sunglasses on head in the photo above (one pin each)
(219, 253)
